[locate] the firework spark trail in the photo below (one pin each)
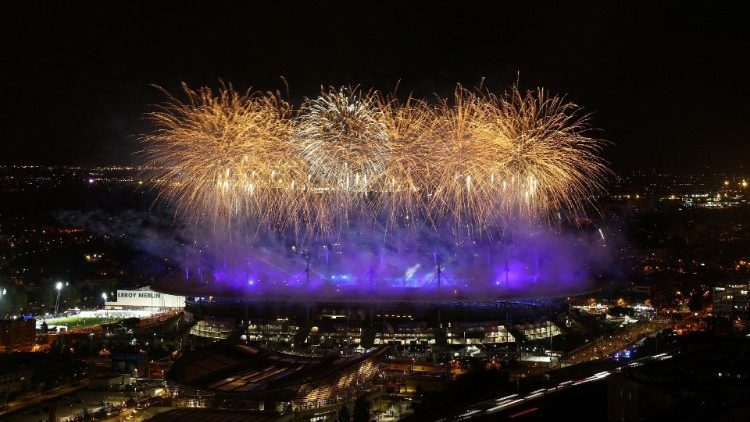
(514, 156)
(406, 179)
(225, 156)
(551, 160)
(478, 161)
(469, 159)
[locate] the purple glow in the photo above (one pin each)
(364, 261)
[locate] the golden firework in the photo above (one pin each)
(342, 137)
(405, 183)
(477, 160)
(518, 155)
(223, 156)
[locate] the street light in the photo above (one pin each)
(59, 287)
(104, 296)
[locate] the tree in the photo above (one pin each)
(14, 300)
(361, 409)
(343, 415)
(697, 303)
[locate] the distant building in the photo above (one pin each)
(732, 299)
(218, 328)
(159, 368)
(17, 333)
(145, 299)
(539, 330)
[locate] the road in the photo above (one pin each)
(514, 405)
(618, 341)
(134, 415)
(42, 397)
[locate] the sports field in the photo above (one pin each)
(75, 322)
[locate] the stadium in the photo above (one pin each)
(360, 220)
(357, 193)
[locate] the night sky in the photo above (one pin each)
(667, 82)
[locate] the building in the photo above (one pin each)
(158, 369)
(236, 376)
(732, 299)
(707, 380)
(145, 299)
(17, 333)
(417, 326)
(14, 379)
(25, 372)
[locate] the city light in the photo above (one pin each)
(58, 287)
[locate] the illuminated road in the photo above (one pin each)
(619, 341)
(517, 405)
(135, 415)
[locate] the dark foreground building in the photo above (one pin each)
(707, 379)
(16, 334)
(236, 376)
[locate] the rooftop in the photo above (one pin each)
(236, 369)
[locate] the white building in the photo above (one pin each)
(146, 299)
(732, 299)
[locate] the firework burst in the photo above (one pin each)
(223, 156)
(468, 160)
(552, 166)
(405, 184)
(518, 155)
(342, 137)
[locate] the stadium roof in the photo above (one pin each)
(236, 369)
